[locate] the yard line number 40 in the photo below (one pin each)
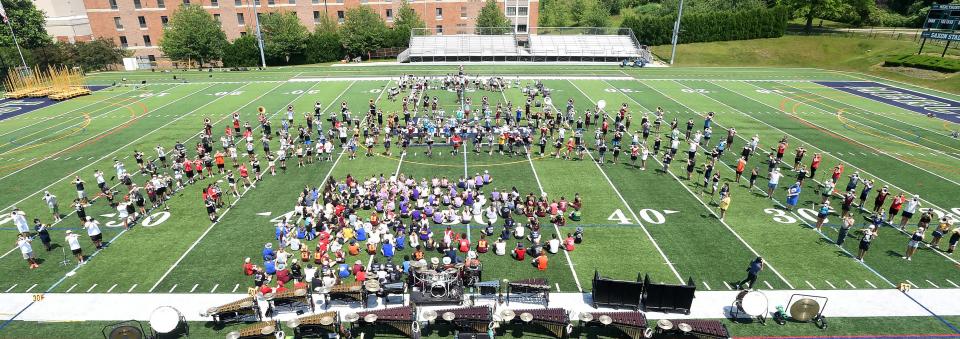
(648, 215)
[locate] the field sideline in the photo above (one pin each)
(635, 221)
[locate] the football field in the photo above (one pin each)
(635, 221)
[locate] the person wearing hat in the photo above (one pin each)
(869, 233)
(793, 195)
(909, 209)
(268, 253)
(519, 253)
(93, 231)
(822, 214)
(73, 241)
(42, 233)
(915, 240)
(20, 221)
(942, 229)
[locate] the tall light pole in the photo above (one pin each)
(256, 20)
(676, 33)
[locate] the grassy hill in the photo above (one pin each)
(827, 52)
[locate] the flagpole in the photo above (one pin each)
(22, 60)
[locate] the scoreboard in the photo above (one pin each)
(942, 17)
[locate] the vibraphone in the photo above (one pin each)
(392, 288)
(265, 329)
(402, 319)
(316, 325)
(633, 324)
(472, 319)
(243, 310)
(347, 292)
(292, 301)
(703, 329)
(535, 290)
(555, 320)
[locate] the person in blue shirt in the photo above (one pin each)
(361, 234)
(387, 249)
(406, 264)
(268, 252)
(270, 267)
(793, 195)
(401, 241)
(752, 272)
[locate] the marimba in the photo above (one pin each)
(402, 319)
(535, 290)
(242, 310)
(316, 325)
(292, 301)
(704, 329)
(472, 319)
(633, 324)
(347, 292)
(555, 320)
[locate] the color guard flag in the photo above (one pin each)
(3, 13)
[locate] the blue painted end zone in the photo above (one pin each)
(10, 108)
(922, 103)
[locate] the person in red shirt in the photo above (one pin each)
(741, 164)
(781, 148)
(895, 206)
(188, 170)
(280, 287)
(247, 267)
(199, 166)
(265, 289)
(464, 244)
(456, 144)
(283, 276)
(837, 172)
(541, 262)
(814, 165)
(245, 175)
(519, 253)
(218, 158)
(362, 275)
(569, 242)
(482, 245)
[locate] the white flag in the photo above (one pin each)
(3, 13)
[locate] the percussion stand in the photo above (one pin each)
(64, 262)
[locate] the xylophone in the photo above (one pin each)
(292, 301)
(315, 325)
(475, 319)
(534, 290)
(402, 318)
(633, 324)
(347, 292)
(258, 330)
(242, 310)
(556, 320)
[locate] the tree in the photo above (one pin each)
(595, 14)
(193, 34)
(325, 42)
(283, 35)
(491, 20)
(57, 53)
(406, 21)
(99, 54)
(27, 21)
(242, 52)
(555, 13)
(362, 31)
(810, 9)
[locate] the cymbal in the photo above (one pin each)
(267, 329)
(526, 317)
(326, 320)
(449, 316)
(371, 317)
(586, 317)
(300, 292)
(351, 317)
(606, 319)
(430, 315)
(507, 315)
(804, 309)
(665, 324)
(684, 327)
(293, 323)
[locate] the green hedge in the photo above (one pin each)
(933, 63)
(715, 26)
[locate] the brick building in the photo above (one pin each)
(138, 24)
(65, 20)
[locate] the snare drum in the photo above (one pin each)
(165, 319)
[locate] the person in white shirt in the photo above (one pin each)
(500, 247)
(122, 212)
(911, 207)
(73, 240)
(119, 167)
(775, 176)
(20, 220)
(93, 230)
(23, 243)
(553, 245)
(53, 204)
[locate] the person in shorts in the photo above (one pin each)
(26, 249)
(869, 234)
(73, 241)
(915, 240)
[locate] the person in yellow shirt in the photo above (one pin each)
(724, 205)
(348, 233)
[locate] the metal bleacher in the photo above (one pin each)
(543, 44)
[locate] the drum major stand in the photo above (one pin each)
(65, 261)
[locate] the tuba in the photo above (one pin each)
(261, 110)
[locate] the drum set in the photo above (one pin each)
(754, 304)
(442, 284)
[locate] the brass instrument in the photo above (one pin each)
(242, 310)
(315, 325)
(258, 330)
(261, 109)
(292, 301)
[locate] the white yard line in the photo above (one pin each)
(214, 288)
(235, 287)
(850, 284)
(932, 284)
(71, 288)
(727, 285)
(35, 285)
(870, 283)
(809, 284)
(91, 288)
(194, 288)
(170, 291)
(11, 288)
(830, 284)
(131, 288)
(707, 286)
(111, 288)
(696, 196)
(557, 229)
(768, 284)
(953, 283)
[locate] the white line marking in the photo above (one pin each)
(870, 283)
(727, 285)
(35, 285)
(558, 286)
(768, 284)
(71, 288)
(235, 287)
(171, 289)
(912, 284)
(934, 285)
(131, 288)
(111, 288)
(214, 288)
(195, 286)
(707, 286)
(953, 283)
(11, 288)
(830, 284)
(91, 288)
(809, 284)
(850, 283)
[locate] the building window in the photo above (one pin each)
(113, 4)
(439, 29)
(389, 14)
(316, 2)
(243, 33)
(186, 2)
(215, 3)
(439, 12)
(217, 18)
(117, 23)
(522, 11)
(152, 58)
(463, 12)
(316, 17)
(511, 11)
(123, 42)
(271, 2)
(164, 20)
(340, 16)
(292, 2)
(240, 19)
(237, 3)
(161, 4)
(256, 2)
(146, 41)
(137, 4)
(522, 28)
(143, 21)
(339, 1)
